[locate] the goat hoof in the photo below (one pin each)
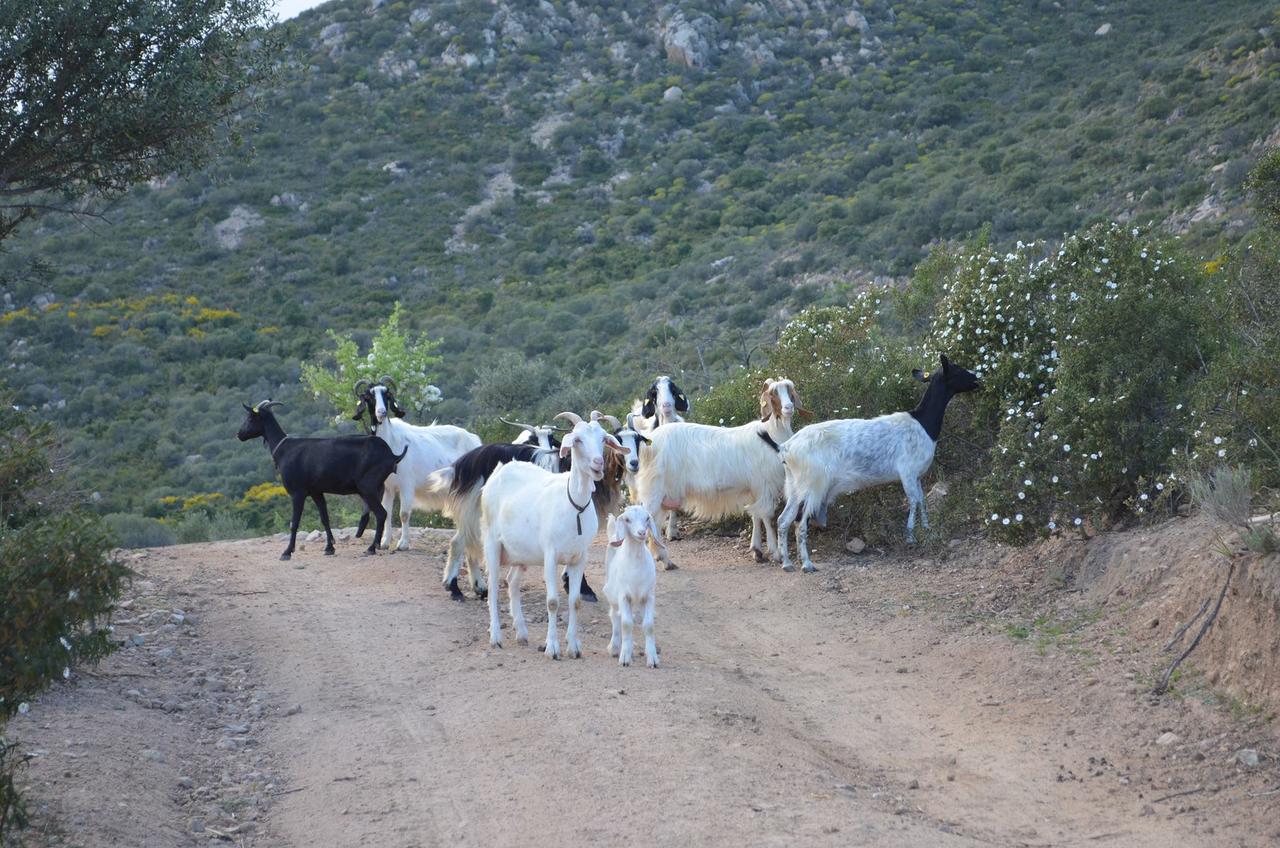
(370, 552)
(286, 556)
(788, 567)
(329, 551)
(482, 594)
(456, 595)
(810, 568)
(494, 644)
(523, 640)
(758, 555)
(589, 597)
(670, 566)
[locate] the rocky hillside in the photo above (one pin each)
(620, 187)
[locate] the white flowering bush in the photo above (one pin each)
(407, 359)
(1088, 355)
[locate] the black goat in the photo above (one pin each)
(314, 467)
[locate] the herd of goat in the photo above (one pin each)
(542, 498)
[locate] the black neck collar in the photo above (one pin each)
(768, 440)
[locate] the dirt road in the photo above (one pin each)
(789, 709)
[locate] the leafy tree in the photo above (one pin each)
(98, 95)
(393, 352)
(57, 581)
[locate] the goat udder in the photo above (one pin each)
(672, 503)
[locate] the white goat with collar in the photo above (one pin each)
(529, 516)
(713, 472)
(630, 583)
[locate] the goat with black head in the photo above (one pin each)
(315, 467)
(434, 447)
(849, 454)
(663, 402)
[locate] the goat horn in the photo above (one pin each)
(387, 381)
(572, 417)
(529, 427)
(359, 389)
(610, 420)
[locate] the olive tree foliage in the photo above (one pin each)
(98, 95)
(408, 360)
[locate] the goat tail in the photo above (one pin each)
(436, 492)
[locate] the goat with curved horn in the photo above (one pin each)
(388, 381)
(531, 428)
(360, 388)
(572, 417)
(597, 415)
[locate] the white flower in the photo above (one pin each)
(995, 516)
(65, 643)
(1143, 496)
(24, 708)
(1222, 453)
(1018, 517)
(1052, 525)
(1217, 440)
(1004, 521)
(1026, 482)
(1055, 478)
(1078, 522)
(66, 673)
(1159, 487)
(1022, 496)
(1066, 448)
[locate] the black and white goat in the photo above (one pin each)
(530, 516)
(434, 447)
(715, 472)
(831, 458)
(315, 467)
(662, 404)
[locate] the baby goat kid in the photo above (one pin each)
(529, 515)
(342, 465)
(630, 583)
(843, 455)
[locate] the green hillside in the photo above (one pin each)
(617, 188)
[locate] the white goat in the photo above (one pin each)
(432, 448)
(529, 515)
(844, 455)
(718, 471)
(630, 581)
(454, 491)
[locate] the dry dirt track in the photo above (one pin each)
(789, 710)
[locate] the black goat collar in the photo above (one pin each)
(768, 440)
(580, 509)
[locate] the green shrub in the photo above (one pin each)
(139, 531)
(1087, 357)
(57, 581)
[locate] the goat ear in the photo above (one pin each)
(566, 447)
(648, 409)
(682, 402)
(615, 538)
(946, 363)
(657, 540)
(642, 437)
(766, 403)
(247, 407)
